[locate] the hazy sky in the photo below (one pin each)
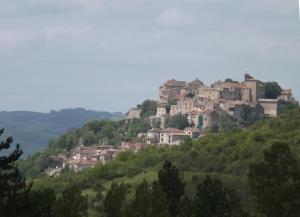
(112, 54)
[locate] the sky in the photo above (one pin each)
(112, 54)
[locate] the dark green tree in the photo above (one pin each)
(114, 200)
(186, 207)
(275, 182)
(178, 121)
(200, 122)
(149, 108)
(273, 90)
(172, 185)
(13, 189)
(41, 203)
(213, 200)
(149, 201)
(141, 205)
(226, 123)
(71, 203)
(159, 203)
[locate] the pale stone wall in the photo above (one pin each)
(257, 88)
(175, 109)
(246, 95)
(286, 95)
(161, 110)
(270, 106)
(210, 93)
(186, 105)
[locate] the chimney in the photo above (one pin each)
(248, 77)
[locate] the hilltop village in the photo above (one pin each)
(199, 106)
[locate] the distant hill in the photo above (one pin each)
(34, 130)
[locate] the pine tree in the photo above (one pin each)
(213, 200)
(275, 182)
(141, 205)
(186, 207)
(13, 188)
(114, 200)
(149, 201)
(172, 185)
(71, 203)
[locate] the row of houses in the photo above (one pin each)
(83, 157)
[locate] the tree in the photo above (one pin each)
(213, 200)
(200, 122)
(41, 203)
(71, 203)
(178, 121)
(149, 201)
(186, 208)
(226, 123)
(149, 108)
(275, 182)
(114, 200)
(172, 185)
(159, 207)
(140, 206)
(273, 90)
(13, 189)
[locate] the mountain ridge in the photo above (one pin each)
(34, 130)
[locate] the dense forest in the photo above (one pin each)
(245, 171)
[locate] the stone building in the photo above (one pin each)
(161, 109)
(196, 85)
(209, 93)
(153, 136)
(171, 90)
(184, 106)
(192, 132)
(231, 91)
(193, 118)
(286, 95)
(271, 106)
(171, 136)
(133, 146)
(253, 87)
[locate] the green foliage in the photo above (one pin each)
(273, 90)
(275, 182)
(172, 184)
(226, 123)
(41, 203)
(71, 203)
(226, 156)
(34, 130)
(12, 184)
(172, 102)
(201, 121)
(149, 201)
(114, 200)
(149, 108)
(186, 207)
(212, 199)
(177, 121)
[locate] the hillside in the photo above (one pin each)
(34, 130)
(223, 155)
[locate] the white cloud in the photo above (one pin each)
(175, 18)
